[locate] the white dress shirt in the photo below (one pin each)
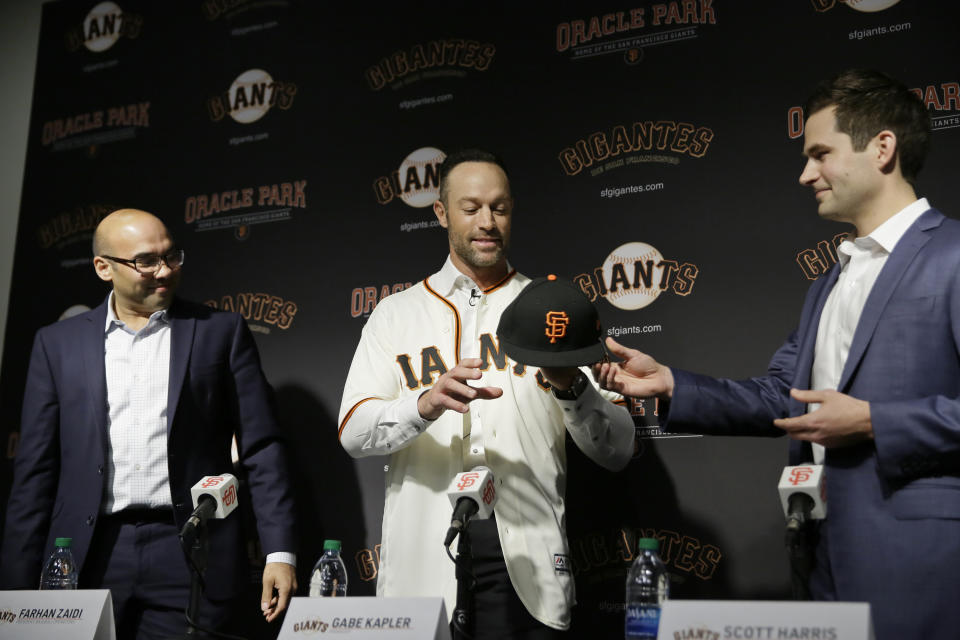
(137, 367)
(860, 263)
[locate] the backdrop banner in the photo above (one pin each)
(292, 149)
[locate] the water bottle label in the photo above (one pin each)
(642, 621)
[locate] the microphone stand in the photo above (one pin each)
(799, 528)
(198, 564)
(196, 557)
(801, 559)
(463, 611)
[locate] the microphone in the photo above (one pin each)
(213, 497)
(472, 494)
(474, 297)
(803, 494)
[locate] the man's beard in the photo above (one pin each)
(474, 257)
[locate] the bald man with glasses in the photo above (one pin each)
(126, 407)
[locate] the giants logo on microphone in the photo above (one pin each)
(467, 480)
(489, 493)
(800, 475)
(213, 481)
(230, 496)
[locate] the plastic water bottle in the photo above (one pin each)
(329, 577)
(647, 588)
(60, 571)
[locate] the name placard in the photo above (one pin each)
(764, 620)
(359, 618)
(79, 614)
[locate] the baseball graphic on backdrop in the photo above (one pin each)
(424, 161)
(246, 82)
(870, 6)
(625, 296)
(100, 15)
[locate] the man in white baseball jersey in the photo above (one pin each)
(431, 386)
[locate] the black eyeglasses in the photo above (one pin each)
(151, 264)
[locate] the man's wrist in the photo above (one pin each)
(281, 556)
(577, 386)
(423, 407)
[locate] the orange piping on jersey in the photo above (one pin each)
(506, 278)
(350, 413)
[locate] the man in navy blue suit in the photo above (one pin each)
(126, 407)
(869, 383)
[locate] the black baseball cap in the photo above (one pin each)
(551, 323)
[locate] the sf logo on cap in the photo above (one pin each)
(799, 475)
(557, 322)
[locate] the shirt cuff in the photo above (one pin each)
(588, 402)
(406, 412)
(282, 556)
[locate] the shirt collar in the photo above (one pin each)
(887, 235)
(450, 279)
(114, 321)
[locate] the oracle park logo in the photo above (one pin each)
(634, 275)
(942, 100)
(635, 144)
(864, 6)
(240, 209)
(416, 181)
(251, 95)
(94, 128)
(629, 33)
(450, 57)
(363, 300)
(103, 26)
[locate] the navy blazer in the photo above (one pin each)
(892, 533)
(216, 389)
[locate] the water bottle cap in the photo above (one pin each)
(331, 544)
(651, 544)
(63, 542)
